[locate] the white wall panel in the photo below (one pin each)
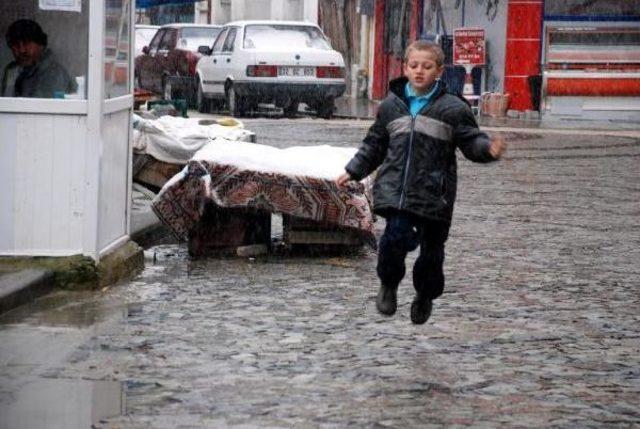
(33, 186)
(8, 130)
(47, 177)
(310, 12)
(114, 186)
(67, 207)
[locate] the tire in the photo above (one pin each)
(290, 109)
(190, 95)
(202, 103)
(325, 108)
(250, 104)
(167, 90)
(217, 104)
(235, 103)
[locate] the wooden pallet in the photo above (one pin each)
(223, 231)
(298, 231)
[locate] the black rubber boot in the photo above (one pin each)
(387, 300)
(420, 310)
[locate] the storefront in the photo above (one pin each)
(566, 58)
(397, 23)
(591, 60)
(574, 58)
(65, 160)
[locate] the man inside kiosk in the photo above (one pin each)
(34, 71)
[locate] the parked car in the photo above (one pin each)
(280, 62)
(143, 36)
(168, 64)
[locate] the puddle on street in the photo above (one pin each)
(61, 403)
(62, 308)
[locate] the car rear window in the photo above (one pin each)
(274, 37)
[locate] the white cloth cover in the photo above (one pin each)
(322, 162)
(175, 140)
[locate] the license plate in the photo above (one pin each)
(296, 71)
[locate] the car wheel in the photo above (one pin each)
(325, 108)
(203, 104)
(290, 109)
(218, 104)
(235, 103)
(250, 104)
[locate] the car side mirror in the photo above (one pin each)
(204, 50)
(145, 50)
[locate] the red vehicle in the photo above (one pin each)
(168, 65)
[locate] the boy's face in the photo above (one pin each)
(422, 70)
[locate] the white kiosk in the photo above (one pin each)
(65, 163)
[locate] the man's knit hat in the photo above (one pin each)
(25, 30)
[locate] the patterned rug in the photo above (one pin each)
(180, 204)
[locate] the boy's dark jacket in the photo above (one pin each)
(416, 157)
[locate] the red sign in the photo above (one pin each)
(468, 46)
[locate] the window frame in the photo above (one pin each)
(230, 41)
(170, 36)
(153, 46)
(221, 38)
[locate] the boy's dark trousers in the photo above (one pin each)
(403, 234)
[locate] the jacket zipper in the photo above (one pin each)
(406, 163)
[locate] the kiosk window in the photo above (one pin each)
(116, 49)
(42, 58)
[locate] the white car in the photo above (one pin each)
(279, 62)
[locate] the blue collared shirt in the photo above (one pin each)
(417, 102)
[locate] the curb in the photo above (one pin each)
(22, 287)
(23, 279)
(349, 116)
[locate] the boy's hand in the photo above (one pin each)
(343, 178)
(497, 147)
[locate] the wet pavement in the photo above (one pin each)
(538, 325)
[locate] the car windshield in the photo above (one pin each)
(192, 37)
(274, 37)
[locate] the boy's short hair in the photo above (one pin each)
(423, 45)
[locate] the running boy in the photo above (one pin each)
(413, 140)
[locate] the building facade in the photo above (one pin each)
(537, 51)
(566, 58)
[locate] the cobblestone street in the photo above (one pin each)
(539, 324)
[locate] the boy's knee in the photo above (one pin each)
(402, 240)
